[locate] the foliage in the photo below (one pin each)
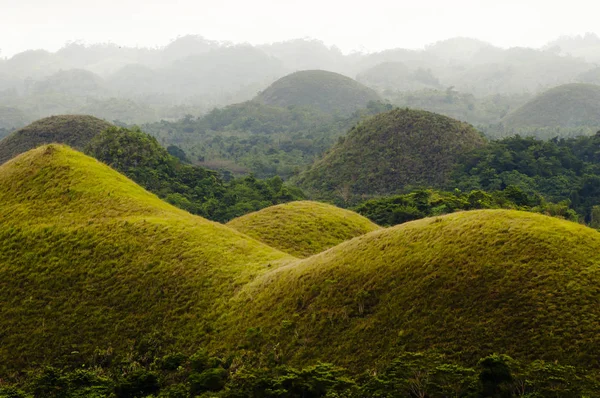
(559, 169)
(302, 228)
(398, 209)
(265, 140)
(411, 374)
(195, 189)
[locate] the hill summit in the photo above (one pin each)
(73, 130)
(327, 91)
(389, 152)
(303, 228)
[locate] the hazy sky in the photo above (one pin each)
(368, 25)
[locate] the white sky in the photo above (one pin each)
(368, 25)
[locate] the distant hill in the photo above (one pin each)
(89, 260)
(465, 285)
(134, 80)
(327, 91)
(564, 107)
(303, 228)
(390, 152)
(397, 76)
(73, 130)
(12, 117)
(73, 82)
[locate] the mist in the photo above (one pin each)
(133, 62)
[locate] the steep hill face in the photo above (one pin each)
(389, 152)
(464, 285)
(72, 130)
(89, 260)
(303, 228)
(327, 91)
(566, 106)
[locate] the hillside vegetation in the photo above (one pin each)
(561, 170)
(303, 228)
(567, 110)
(90, 261)
(465, 285)
(326, 91)
(195, 189)
(128, 296)
(73, 130)
(262, 139)
(388, 153)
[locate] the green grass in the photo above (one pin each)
(565, 107)
(327, 91)
(303, 228)
(466, 285)
(73, 130)
(90, 260)
(388, 153)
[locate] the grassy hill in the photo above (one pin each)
(73, 130)
(92, 266)
(303, 228)
(327, 91)
(389, 152)
(464, 285)
(564, 107)
(90, 261)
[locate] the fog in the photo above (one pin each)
(351, 26)
(132, 61)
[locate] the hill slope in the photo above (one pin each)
(566, 106)
(89, 260)
(389, 152)
(326, 91)
(465, 285)
(303, 228)
(73, 130)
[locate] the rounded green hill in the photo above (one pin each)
(303, 228)
(567, 106)
(465, 285)
(389, 152)
(89, 260)
(73, 130)
(327, 91)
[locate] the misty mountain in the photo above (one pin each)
(192, 75)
